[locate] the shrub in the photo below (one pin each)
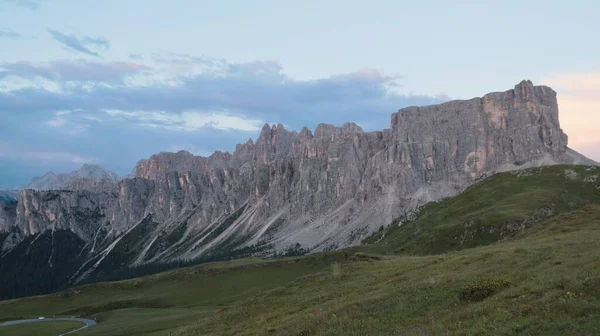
(482, 288)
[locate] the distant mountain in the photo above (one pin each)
(8, 196)
(51, 181)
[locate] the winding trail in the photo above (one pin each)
(87, 322)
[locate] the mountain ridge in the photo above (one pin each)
(319, 191)
(52, 181)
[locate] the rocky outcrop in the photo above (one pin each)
(324, 190)
(51, 181)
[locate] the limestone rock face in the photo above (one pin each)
(324, 190)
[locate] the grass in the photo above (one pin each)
(549, 284)
(41, 329)
(495, 209)
(524, 271)
(167, 300)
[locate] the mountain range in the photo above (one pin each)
(287, 191)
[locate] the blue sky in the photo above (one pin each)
(113, 82)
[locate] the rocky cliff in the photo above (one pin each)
(324, 190)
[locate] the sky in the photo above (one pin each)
(112, 82)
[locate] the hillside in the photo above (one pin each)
(516, 269)
(496, 209)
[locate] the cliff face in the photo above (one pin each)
(324, 190)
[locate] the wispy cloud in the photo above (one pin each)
(72, 122)
(188, 120)
(137, 56)
(73, 70)
(256, 90)
(9, 34)
(81, 45)
(189, 148)
(10, 151)
(99, 42)
(121, 114)
(57, 122)
(31, 4)
(57, 156)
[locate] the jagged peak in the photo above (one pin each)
(184, 152)
(324, 130)
(220, 154)
(305, 133)
(91, 166)
(525, 82)
(50, 173)
(265, 133)
(351, 127)
(279, 128)
(266, 128)
(268, 131)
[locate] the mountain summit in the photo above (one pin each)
(51, 181)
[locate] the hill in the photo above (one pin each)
(496, 209)
(516, 269)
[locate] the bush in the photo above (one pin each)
(483, 288)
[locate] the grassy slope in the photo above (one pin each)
(167, 300)
(41, 329)
(552, 268)
(554, 276)
(493, 210)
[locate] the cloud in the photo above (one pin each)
(99, 42)
(123, 115)
(82, 45)
(10, 151)
(72, 70)
(72, 122)
(9, 34)
(189, 148)
(180, 58)
(257, 90)
(579, 104)
(31, 4)
(57, 156)
(137, 56)
(57, 122)
(188, 120)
